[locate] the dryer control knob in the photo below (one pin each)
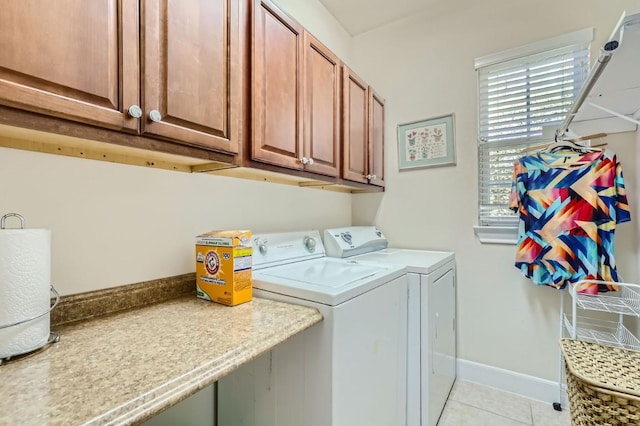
(346, 237)
(263, 249)
(310, 244)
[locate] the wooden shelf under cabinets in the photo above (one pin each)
(134, 150)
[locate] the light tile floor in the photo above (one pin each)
(476, 405)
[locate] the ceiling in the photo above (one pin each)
(359, 16)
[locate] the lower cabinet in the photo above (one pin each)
(255, 393)
(197, 410)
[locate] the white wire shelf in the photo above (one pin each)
(611, 333)
(625, 301)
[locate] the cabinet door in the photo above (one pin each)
(191, 71)
(277, 87)
(355, 131)
(376, 139)
(73, 59)
(321, 107)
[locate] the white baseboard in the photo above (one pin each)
(510, 381)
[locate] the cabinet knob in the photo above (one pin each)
(371, 177)
(154, 115)
(306, 161)
(135, 111)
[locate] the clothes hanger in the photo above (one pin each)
(570, 145)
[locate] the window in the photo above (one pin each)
(523, 96)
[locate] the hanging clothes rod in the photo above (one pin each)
(596, 70)
(603, 59)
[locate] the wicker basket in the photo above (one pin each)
(603, 383)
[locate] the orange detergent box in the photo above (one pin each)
(223, 267)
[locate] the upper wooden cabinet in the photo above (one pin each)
(276, 87)
(191, 76)
(355, 130)
(321, 108)
(80, 60)
(376, 138)
(362, 132)
(72, 59)
(229, 82)
(296, 95)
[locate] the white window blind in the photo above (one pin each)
(521, 103)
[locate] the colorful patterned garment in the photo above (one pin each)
(569, 206)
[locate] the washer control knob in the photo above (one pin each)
(309, 244)
(263, 249)
(378, 233)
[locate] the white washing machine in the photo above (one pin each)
(431, 356)
(349, 369)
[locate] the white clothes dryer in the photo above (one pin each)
(349, 369)
(431, 278)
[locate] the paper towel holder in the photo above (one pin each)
(53, 336)
(4, 218)
(24, 321)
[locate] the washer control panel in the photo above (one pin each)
(280, 248)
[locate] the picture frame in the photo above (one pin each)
(427, 143)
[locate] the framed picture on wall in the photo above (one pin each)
(427, 143)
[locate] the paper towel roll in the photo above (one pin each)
(25, 280)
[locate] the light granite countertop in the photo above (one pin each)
(126, 367)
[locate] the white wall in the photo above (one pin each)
(424, 67)
(318, 21)
(116, 224)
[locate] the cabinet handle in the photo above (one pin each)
(135, 111)
(306, 161)
(154, 115)
(371, 177)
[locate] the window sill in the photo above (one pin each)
(497, 234)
